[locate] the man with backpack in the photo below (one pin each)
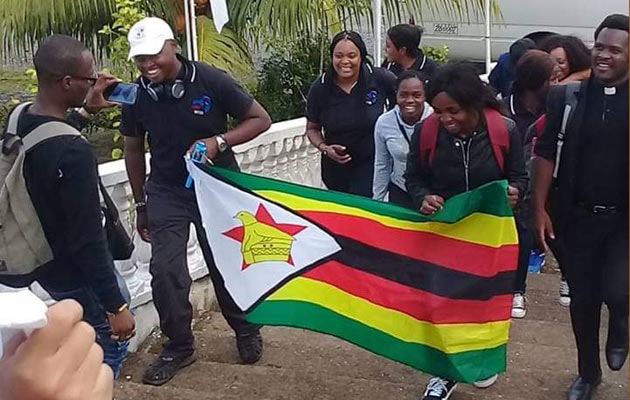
(50, 207)
(583, 151)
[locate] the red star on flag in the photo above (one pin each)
(263, 216)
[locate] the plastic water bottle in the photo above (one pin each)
(199, 156)
(536, 261)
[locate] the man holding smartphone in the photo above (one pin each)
(179, 103)
(61, 176)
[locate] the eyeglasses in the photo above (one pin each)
(91, 80)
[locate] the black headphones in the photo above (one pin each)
(173, 90)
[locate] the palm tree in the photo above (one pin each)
(23, 23)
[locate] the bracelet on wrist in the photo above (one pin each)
(120, 309)
(140, 205)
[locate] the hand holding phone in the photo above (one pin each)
(123, 93)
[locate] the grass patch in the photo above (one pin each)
(13, 81)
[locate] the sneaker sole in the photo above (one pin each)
(563, 302)
(485, 385)
(519, 314)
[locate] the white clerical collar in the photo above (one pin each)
(610, 91)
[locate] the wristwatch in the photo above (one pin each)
(222, 144)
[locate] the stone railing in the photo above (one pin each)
(282, 153)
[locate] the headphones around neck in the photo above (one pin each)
(173, 90)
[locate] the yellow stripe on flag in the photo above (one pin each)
(478, 228)
(448, 338)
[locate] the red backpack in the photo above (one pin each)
(497, 130)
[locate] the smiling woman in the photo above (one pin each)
(342, 107)
(392, 136)
(466, 143)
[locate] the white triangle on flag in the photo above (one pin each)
(256, 244)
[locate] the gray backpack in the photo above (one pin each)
(23, 245)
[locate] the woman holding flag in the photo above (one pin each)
(465, 144)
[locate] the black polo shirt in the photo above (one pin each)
(602, 172)
(423, 64)
(348, 119)
(174, 125)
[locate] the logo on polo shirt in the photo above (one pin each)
(371, 97)
(201, 105)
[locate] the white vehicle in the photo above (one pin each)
(465, 35)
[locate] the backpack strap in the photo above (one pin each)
(499, 136)
(570, 103)
(497, 130)
(14, 118)
(540, 125)
(428, 139)
(47, 131)
(43, 132)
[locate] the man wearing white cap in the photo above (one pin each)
(179, 103)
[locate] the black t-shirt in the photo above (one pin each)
(349, 118)
(62, 181)
(174, 125)
(602, 172)
(424, 64)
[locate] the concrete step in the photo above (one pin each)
(228, 381)
(299, 364)
(128, 390)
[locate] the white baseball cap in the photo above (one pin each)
(147, 37)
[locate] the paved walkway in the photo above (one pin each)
(303, 365)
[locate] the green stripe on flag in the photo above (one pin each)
(470, 366)
(490, 198)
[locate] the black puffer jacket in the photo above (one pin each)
(462, 165)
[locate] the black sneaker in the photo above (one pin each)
(439, 389)
(249, 347)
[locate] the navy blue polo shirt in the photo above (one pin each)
(174, 125)
(348, 119)
(423, 64)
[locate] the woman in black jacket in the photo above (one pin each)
(463, 158)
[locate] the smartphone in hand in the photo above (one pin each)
(123, 93)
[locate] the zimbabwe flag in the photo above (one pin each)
(433, 292)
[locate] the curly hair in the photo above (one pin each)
(578, 55)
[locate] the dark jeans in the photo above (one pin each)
(597, 272)
(525, 246)
(399, 197)
(171, 210)
(354, 177)
(94, 314)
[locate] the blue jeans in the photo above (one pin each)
(94, 313)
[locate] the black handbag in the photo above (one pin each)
(120, 243)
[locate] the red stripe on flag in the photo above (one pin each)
(455, 254)
(418, 304)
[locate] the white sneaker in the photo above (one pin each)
(565, 295)
(486, 383)
(439, 389)
(519, 306)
